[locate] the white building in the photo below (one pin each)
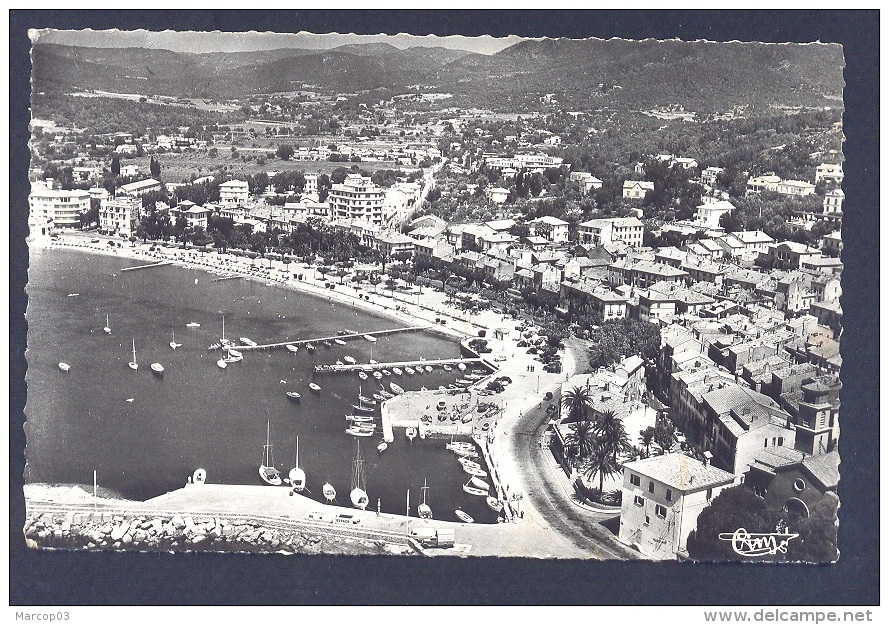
(636, 189)
(709, 213)
(611, 230)
(234, 193)
(140, 188)
(662, 498)
(311, 188)
(833, 201)
(357, 198)
(551, 228)
(709, 175)
(120, 216)
(829, 172)
(61, 208)
(795, 187)
(498, 195)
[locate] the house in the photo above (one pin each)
(608, 231)
(662, 497)
(709, 214)
(234, 192)
(794, 481)
(832, 244)
(197, 216)
(684, 163)
(709, 176)
(833, 202)
(747, 245)
(636, 189)
(583, 296)
(391, 243)
(767, 182)
(585, 180)
(551, 228)
(789, 254)
(141, 187)
(120, 216)
(829, 172)
(643, 273)
(128, 171)
(794, 187)
(498, 195)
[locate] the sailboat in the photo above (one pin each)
(157, 368)
(267, 470)
(361, 407)
(423, 509)
(358, 496)
(134, 365)
(297, 476)
(107, 328)
(173, 343)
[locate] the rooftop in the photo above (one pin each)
(680, 472)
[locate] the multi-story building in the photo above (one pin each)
(709, 176)
(611, 230)
(833, 202)
(234, 193)
(829, 172)
(357, 198)
(662, 498)
(551, 228)
(141, 187)
(61, 208)
(708, 214)
(636, 189)
(120, 216)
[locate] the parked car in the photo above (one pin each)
(318, 516)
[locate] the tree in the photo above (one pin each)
(577, 401)
(284, 151)
(155, 168)
(610, 429)
(734, 508)
(115, 164)
(646, 438)
(581, 439)
(601, 463)
(817, 540)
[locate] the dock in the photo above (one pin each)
(331, 338)
(157, 264)
(389, 365)
(226, 278)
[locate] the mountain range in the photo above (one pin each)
(701, 76)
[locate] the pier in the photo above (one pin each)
(157, 264)
(389, 365)
(331, 338)
(226, 278)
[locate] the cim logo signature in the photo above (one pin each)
(752, 545)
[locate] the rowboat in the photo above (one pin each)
(293, 395)
(365, 409)
(221, 363)
(354, 418)
(386, 394)
(469, 463)
(245, 341)
(410, 432)
(349, 360)
(366, 400)
(387, 373)
(409, 370)
(428, 368)
(339, 341)
(192, 325)
(463, 516)
(396, 389)
(479, 483)
(397, 370)
(339, 362)
(472, 490)
(327, 344)
(459, 445)
(378, 397)
(362, 375)
(494, 504)
(359, 432)
(314, 387)
(461, 366)
(235, 353)
(466, 453)
(474, 472)
(463, 382)
(64, 366)
(447, 367)
(383, 446)
(378, 375)
(310, 347)
(370, 338)
(157, 367)
(292, 348)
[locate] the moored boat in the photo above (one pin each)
(474, 472)
(173, 343)
(314, 387)
(428, 368)
(396, 389)
(245, 341)
(221, 363)
(267, 471)
(358, 494)
(293, 395)
(292, 348)
(107, 328)
(133, 364)
(447, 367)
(64, 366)
(349, 360)
(424, 510)
(387, 373)
(362, 375)
(378, 397)
(339, 341)
(366, 400)
(377, 375)
(328, 491)
(386, 394)
(479, 483)
(472, 490)
(233, 353)
(410, 432)
(355, 431)
(397, 370)
(310, 347)
(157, 367)
(296, 475)
(327, 344)
(463, 516)
(192, 325)
(371, 339)
(357, 418)
(461, 366)
(494, 504)
(383, 446)
(409, 370)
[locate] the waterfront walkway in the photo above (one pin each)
(389, 365)
(333, 337)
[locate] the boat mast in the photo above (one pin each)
(134, 349)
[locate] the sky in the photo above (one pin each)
(200, 42)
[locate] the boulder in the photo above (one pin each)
(127, 539)
(118, 532)
(177, 522)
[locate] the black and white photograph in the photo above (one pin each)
(412, 297)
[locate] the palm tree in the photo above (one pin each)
(581, 439)
(577, 401)
(611, 429)
(602, 463)
(646, 438)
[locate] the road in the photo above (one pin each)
(537, 473)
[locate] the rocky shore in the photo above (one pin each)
(100, 531)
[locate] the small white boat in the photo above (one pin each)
(447, 367)
(428, 368)
(463, 516)
(339, 341)
(328, 491)
(378, 397)
(296, 475)
(411, 433)
(370, 338)
(157, 367)
(292, 348)
(349, 360)
(230, 359)
(373, 362)
(314, 387)
(469, 463)
(385, 394)
(423, 388)
(107, 328)
(383, 446)
(355, 431)
(293, 395)
(363, 409)
(453, 446)
(479, 483)
(397, 370)
(494, 504)
(472, 490)
(267, 471)
(133, 364)
(64, 366)
(474, 472)
(466, 454)
(221, 363)
(396, 389)
(378, 375)
(73, 294)
(387, 373)
(362, 375)
(461, 366)
(424, 510)
(409, 370)
(235, 353)
(442, 388)
(245, 341)
(192, 325)
(366, 400)
(360, 419)
(310, 347)
(339, 362)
